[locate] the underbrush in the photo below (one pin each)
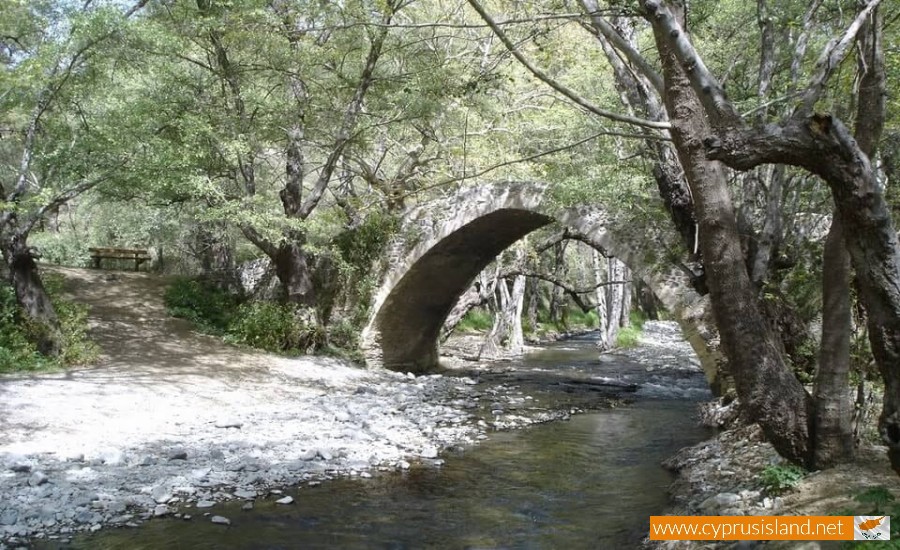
(629, 336)
(476, 320)
(17, 350)
(269, 326)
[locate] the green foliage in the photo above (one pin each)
(637, 319)
(275, 327)
(360, 248)
(343, 341)
(202, 303)
(17, 350)
(628, 337)
(781, 478)
(476, 320)
(878, 499)
(77, 347)
(270, 326)
(63, 248)
(578, 318)
(17, 353)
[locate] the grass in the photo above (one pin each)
(476, 320)
(628, 337)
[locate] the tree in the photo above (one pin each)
(706, 128)
(52, 70)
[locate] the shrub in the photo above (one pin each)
(577, 317)
(64, 248)
(628, 337)
(269, 326)
(78, 348)
(476, 320)
(202, 303)
(17, 350)
(276, 327)
(636, 318)
(778, 479)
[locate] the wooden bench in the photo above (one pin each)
(138, 255)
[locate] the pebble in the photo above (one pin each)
(285, 500)
(245, 494)
(725, 499)
(220, 520)
(161, 494)
(228, 423)
(9, 517)
(247, 506)
(161, 510)
(38, 478)
(308, 454)
(205, 504)
(429, 452)
(325, 454)
(178, 454)
(109, 457)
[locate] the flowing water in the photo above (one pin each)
(590, 482)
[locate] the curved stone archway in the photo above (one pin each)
(443, 245)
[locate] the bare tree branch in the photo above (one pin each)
(558, 86)
(832, 56)
(603, 27)
(349, 121)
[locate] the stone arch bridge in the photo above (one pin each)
(443, 245)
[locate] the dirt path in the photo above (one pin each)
(155, 372)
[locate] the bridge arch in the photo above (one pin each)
(443, 245)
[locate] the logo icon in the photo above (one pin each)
(871, 528)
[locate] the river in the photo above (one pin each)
(589, 482)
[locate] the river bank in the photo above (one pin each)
(727, 475)
(171, 421)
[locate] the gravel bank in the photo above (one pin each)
(170, 421)
(80, 451)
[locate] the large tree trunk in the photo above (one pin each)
(832, 430)
(823, 145)
(600, 276)
(769, 391)
(216, 254)
(833, 426)
(32, 297)
(293, 267)
(505, 336)
(557, 296)
(615, 298)
(625, 309)
(477, 295)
